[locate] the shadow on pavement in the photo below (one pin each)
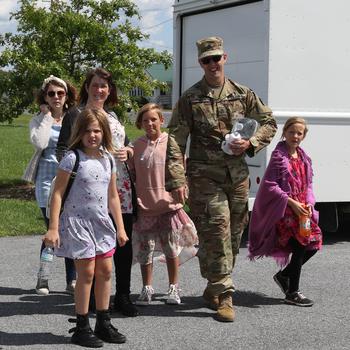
(250, 299)
(195, 306)
(191, 306)
(13, 339)
(32, 304)
(14, 291)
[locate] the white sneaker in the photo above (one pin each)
(71, 287)
(145, 296)
(42, 287)
(173, 295)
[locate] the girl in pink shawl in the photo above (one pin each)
(284, 195)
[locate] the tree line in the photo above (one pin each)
(68, 38)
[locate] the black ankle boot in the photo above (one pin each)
(104, 329)
(83, 334)
(123, 304)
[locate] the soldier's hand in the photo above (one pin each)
(179, 194)
(239, 146)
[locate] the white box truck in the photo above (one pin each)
(296, 55)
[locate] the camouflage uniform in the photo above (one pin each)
(218, 182)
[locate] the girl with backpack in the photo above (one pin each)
(84, 231)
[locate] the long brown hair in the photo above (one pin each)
(103, 74)
(71, 94)
(85, 118)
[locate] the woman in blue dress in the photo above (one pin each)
(54, 99)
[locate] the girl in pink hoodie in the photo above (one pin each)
(162, 224)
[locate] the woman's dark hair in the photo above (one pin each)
(71, 94)
(101, 73)
(84, 119)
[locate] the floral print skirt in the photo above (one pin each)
(288, 227)
(172, 234)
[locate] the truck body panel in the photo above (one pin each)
(295, 56)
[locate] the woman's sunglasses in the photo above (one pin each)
(206, 60)
(59, 93)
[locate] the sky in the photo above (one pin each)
(156, 21)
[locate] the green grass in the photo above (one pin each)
(20, 218)
(15, 150)
(132, 132)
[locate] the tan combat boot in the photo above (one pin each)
(225, 312)
(212, 300)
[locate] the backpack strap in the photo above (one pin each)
(110, 160)
(72, 177)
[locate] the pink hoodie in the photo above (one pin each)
(147, 168)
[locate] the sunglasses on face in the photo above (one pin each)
(59, 93)
(206, 60)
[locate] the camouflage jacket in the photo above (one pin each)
(208, 120)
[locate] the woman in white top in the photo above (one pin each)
(54, 98)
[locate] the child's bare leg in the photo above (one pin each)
(103, 281)
(173, 269)
(173, 274)
(146, 272)
(85, 271)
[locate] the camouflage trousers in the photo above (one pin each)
(220, 213)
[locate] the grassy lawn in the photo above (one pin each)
(22, 217)
(15, 150)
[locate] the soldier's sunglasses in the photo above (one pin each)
(59, 93)
(206, 60)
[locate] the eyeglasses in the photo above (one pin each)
(206, 60)
(59, 93)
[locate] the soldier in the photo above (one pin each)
(218, 182)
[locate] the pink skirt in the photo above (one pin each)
(173, 234)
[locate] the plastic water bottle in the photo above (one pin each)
(225, 145)
(46, 260)
(232, 136)
(304, 225)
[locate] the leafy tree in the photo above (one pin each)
(66, 40)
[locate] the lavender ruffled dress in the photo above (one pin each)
(85, 228)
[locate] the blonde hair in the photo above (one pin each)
(146, 108)
(294, 120)
(85, 118)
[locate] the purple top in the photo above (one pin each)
(271, 202)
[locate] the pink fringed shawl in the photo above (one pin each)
(270, 205)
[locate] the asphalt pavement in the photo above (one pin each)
(263, 321)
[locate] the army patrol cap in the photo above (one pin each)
(210, 46)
